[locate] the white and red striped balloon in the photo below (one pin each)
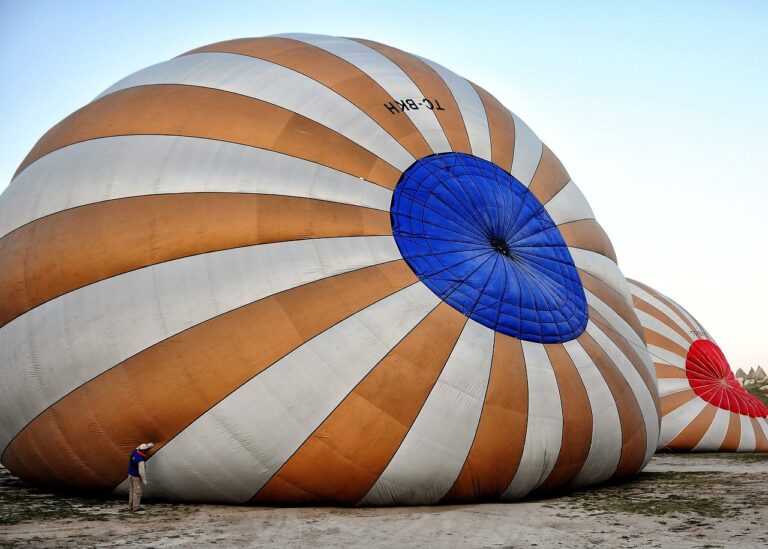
(704, 408)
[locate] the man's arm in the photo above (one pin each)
(143, 472)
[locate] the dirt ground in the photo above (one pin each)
(707, 500)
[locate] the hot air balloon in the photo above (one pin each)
(312, 269)
(704, 408)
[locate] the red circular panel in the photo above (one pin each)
(710, 376)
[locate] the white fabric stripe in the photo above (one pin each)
(688, 315)
(696, 324)
(652, 323)
(58, 346)
(661, 306)
(280, 86)
(471, 108)
(137, 165)
(388, 75)
(678, 419)
(637, 385)
(763, 422)
(666, 357)
(605, 449)
(527, 153)
(544, 432)
(231, 451)
(715, 435)
(668, 386)
(603, 268)
(618, 324)
(703, 334)
(568, 205)
(747, 441)
(433, 452)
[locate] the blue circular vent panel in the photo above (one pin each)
(481, 241)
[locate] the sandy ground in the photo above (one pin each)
(710, 500)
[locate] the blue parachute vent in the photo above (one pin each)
(481, 241)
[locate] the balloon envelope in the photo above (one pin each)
(704, 408)
(312, 269)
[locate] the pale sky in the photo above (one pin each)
(659, 110)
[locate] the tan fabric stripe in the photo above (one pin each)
(633, 354)
(654, 338)
(336, 74)
(672, 402)
(65, 251)
(502, 129)
(732, 435)
(664, 299)
(633, 435)
(577, 419)
(132, 401)
(692, 434)
(214, 114)
(434, 88)
(665, 371)
(761, 442)
(642, 305)
(345, 456)
(608, 295)
(498, 446)
(550, 176)
(587, 234)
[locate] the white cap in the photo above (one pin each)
(146, 446)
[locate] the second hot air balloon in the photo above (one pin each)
(704, 408)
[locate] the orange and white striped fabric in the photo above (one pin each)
(704, 408)
(212, 255)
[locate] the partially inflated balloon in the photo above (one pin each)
(312, 269)
(704, 408)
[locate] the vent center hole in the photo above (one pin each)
(500, 245)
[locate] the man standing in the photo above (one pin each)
(137, 474)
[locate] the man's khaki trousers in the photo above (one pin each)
(134, 493)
